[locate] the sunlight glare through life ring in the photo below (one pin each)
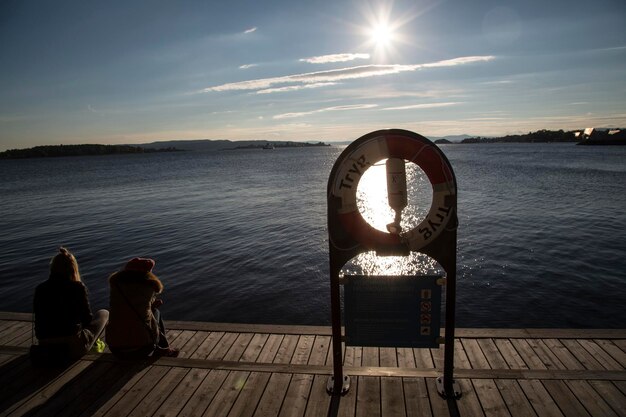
(373, 201)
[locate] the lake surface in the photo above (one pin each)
(240, 236)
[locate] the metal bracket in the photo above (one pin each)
(442, 390)
(345, 386)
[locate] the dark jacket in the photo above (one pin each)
(132, 324)
(61, 308)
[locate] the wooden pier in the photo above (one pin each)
(272, 370)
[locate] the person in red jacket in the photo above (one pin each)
(135, 327)
(63, 317)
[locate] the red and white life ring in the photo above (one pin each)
(412, 148)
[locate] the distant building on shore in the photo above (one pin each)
(602, 136)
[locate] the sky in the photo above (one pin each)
(140, 71)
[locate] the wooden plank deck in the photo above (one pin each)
(263, 370)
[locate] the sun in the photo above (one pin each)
(381, 35)
(383, 30)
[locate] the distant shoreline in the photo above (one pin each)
(55, 151)
(586, 137)
(540, 136)
(275, 145)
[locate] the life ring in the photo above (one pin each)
(375, 147)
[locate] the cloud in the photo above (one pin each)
(326, 109)
(340, 74)
(422, 106)
(499, 82)
(312, 77)
(8, 118)
(246, 66)
(323, 59)
(483, 119)
(293, 88)
(614, 48)
(384, 92)
(458, 61)
(252, 29)
(222, 112)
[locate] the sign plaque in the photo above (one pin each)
(392, 311)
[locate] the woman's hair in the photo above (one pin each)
(63, 266)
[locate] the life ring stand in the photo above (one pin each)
(369, 150)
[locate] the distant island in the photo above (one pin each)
(273, 145)
(214, 145)
(49, 151)
(540, 136)
(590, 136)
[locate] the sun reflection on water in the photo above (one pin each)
(373, 204)
(368, 263)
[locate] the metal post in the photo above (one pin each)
(338, 384)
(448, 362)
(448, 388)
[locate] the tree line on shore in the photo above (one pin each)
(46, 151)
(540, 136)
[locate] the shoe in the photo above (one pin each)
(167, 352)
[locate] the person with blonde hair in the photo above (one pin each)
(64, 322)
(136, 327)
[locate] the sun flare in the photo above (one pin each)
(383, 31)
(381, 35)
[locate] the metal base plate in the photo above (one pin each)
(345, 386)
(442, 391)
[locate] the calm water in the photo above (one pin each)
(240, 236)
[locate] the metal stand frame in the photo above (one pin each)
(446, 385)
(336, 383)
(344, 247)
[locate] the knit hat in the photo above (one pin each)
(140, 264)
